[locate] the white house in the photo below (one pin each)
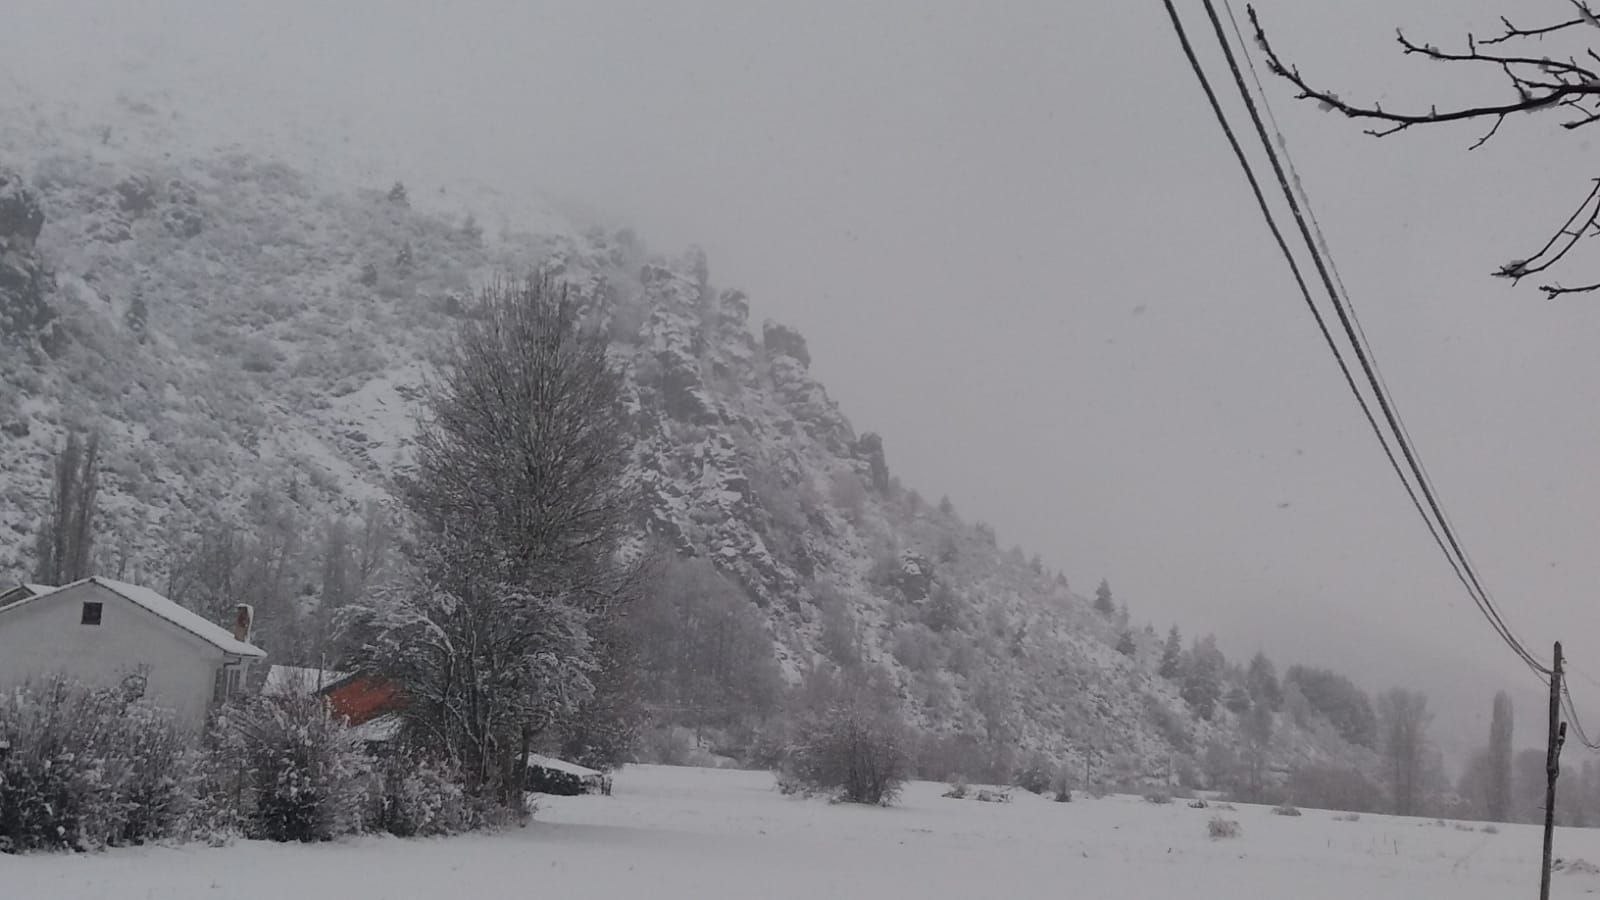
(112, 634)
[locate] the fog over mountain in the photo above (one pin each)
(1054, 303)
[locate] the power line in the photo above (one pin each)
(1318, 244)
(1440, 532)
(1476, 590)
(1368, 365)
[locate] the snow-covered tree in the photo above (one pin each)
(1125, 644)
(1202, 677)
(64, 549)
(1261, 680)
(1404, 718)
(1172, 656)
(522, 498)
(1102, 599)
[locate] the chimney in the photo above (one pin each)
(243, 618)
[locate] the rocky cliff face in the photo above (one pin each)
(234, 326)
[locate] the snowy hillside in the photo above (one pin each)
(236, 327)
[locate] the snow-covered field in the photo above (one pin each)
(694, 833)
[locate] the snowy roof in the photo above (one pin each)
(382, 728)
(153, 602)
(561, 765)
(298, 681)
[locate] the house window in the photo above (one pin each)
(91, 613)
(226, 684)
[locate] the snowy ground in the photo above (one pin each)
(690, 833)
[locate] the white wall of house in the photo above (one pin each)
(45, 637)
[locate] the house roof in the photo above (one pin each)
(23, 592)
(156, 604)
(299, 681)
(378, 730)
(561, 765)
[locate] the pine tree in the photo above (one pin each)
(1202, 678)
(1499, 787)
(1237, 700)
(1125, 644)
(1102, 599)
(398, 196)
(1172, 656)
(1262, 681)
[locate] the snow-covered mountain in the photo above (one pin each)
(233, 324)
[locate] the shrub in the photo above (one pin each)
(422, 798)
(1329, 787)
(306, 777)
(1285, 810)
(1220, 828)
(854, 749)
(1160, 798)
(1062, 785)
(1348, 817)
(1490, 829)
(84, 768)
(957, 791)
(1037, 774)
(1199, 803)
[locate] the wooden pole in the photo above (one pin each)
(1552, 769)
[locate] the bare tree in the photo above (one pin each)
(523, 497)
(64, 551)
(1549, 67)
(1256, 726)
(1405, 717)
(704, 646)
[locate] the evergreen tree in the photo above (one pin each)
(1172, 656)
(1202, 678)
(1237, 700)
(1261, 679)
(1125, 644)
(398, 196)
(1498, 799)
(1102, 599)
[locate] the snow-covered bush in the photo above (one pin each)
(306, 777)
(1220, 828)
(855, 747)
(1285, 810)
(1037, 774)
(83, 768)
(422, 798)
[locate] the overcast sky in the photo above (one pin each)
(1021, 251)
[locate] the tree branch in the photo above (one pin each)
(1576, 82)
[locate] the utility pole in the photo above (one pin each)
(1552, 769)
